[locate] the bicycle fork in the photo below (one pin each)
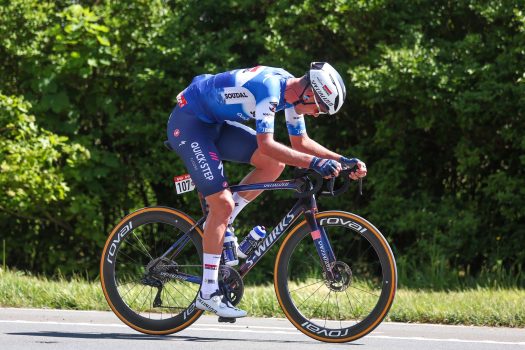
(321, 242)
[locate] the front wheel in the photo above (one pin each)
(342, 309)
(150, 293)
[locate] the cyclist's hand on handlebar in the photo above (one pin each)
(325, 167)
(359, 166)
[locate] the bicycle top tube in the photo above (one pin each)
(305, 183)
(275, 185)
(301, 185)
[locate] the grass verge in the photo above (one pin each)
(480, 307)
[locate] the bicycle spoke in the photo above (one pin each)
(327, 308)
(129, 290)
(178, 291)
(320, 281)
(136, 248)
(129, 258)
(172, 298)
(350, 302)
(311, 295)
(338, 310)
(142, 245)
(358, 272)
(154, 239)
(192, 286)
(140, 293)
(137, 281)
(313, 258)
(359, 302)
(364, 291)
(313, 313)
(152, 293)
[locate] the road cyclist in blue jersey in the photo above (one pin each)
(207, 126)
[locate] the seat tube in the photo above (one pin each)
(321, 242)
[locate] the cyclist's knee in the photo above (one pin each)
(275, 167)
(279, 167)
(221, 203)
(261, 161)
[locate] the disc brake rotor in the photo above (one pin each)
(161, 268)
(342, 277)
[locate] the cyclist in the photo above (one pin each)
(205, 127)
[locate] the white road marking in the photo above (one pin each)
(267, 330)
(66, 323)
(449, 340)
(239, 326)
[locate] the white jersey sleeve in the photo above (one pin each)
(294, 122)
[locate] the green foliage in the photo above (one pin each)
(435, 107)
(495, 307)
(448, 111)
(35, 165)
(32, 160)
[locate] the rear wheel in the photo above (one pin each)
(153, 295)
(357, 300)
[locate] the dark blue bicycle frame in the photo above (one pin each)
(306, 206)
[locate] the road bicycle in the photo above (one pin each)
(335, 275)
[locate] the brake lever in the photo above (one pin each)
(331, 185)
(360, 183)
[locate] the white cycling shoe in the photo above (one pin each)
(219, 306)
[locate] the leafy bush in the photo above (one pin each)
(435, 107)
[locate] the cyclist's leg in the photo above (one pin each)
(210, 298)
(266, 169)
(220, 208)
(237, 142)
(193, 140)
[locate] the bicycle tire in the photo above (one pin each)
(124, 256)
(289, 289)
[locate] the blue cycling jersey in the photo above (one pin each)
(241, 95)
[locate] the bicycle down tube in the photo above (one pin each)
(271, 238)
(306, 206)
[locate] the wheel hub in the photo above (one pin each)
(160, 270)
(342, 277)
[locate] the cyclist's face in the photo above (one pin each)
(310, 104)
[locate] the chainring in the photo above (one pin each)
(231, 284)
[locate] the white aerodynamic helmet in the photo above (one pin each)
(329, 87)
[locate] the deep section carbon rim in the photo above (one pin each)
(350, 305)
(151, 294)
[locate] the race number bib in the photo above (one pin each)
(183, 183)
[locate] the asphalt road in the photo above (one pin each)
(35, 329)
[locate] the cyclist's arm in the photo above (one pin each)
(271, 148)
(304, 144)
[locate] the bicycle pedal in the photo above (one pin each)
(227, 319)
